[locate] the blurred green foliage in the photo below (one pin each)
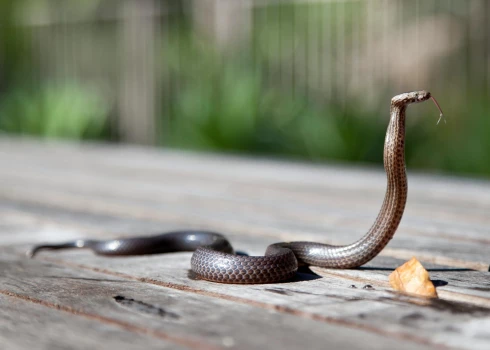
(54, 111)
(228, 103)
(62, 108)
(239, 114)
(460, 146)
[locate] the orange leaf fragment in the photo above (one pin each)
(413, 278)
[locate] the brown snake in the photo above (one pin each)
(213, 257)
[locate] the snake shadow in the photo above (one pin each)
(304, 274)
(436, 282)
(374, 268)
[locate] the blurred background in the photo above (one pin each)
(295, 79)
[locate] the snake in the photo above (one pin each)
(214, 258)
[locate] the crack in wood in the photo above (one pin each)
(412, 319)
(88, 279)
(140, 306)
(187, 342)
(290, 292)
(278, 291)
(455, 307)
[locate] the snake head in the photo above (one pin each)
(410, 97)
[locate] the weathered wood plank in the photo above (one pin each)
(188, 319)
(328, 299)
(312, 179)
(304, 206)
(155, 163)
(25, 324)
(336, 205)
(452, 283)
(346, 196)
(61, 192)
(309, 303)
(233, 220)
(97, 226)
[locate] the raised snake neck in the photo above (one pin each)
(213, 257)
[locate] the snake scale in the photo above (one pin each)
(214, 259)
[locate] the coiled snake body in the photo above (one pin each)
(213, 257)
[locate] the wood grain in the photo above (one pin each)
(28, 325)
(58, 192)
(192, 320)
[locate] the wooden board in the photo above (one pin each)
(195, 320)
(36, 324)
(61, 192)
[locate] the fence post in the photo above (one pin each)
(227, 23)
(136, 102)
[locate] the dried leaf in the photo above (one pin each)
(413, 278)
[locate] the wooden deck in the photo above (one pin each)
(74, 299)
